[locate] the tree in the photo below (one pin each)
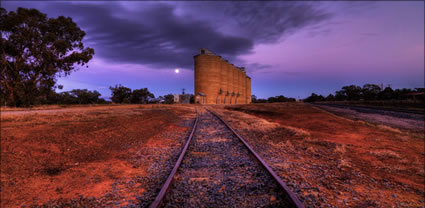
(66, 98)
(340, 95)
(141, 96)
(279, 99)
(314, 97)
(120, 94)
(78, 96)
(330, 97)
(351, 92)
(420, 89)
(386, 94)
(169, 99)
(85, 96)
(370, 91)
(35, 51)
(160, 99)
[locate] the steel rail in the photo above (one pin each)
(160, 197)
(293, 198)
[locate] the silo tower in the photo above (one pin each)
(217, 81)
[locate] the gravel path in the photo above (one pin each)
(218, 171)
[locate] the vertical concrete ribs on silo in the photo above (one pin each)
(230, 81)
(224, 86)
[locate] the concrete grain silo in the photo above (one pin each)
(230, 82)
(248, 89)
(200, 79)
(235, 84)
(224, 82)
(207, 77)
(238, 88)
(219, 82)
(215, 81)
(242, 87)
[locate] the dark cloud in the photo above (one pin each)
(269, 21)
(167, 35)
(260, 21)
(155, 36)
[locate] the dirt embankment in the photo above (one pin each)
(331, 161)
(93, 156)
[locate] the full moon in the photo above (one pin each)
(177, 71)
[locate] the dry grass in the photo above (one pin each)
(388, 128)
(247, 121)
(383, 153)
(335, 153)
(340, 148)
(298, 132)
(49, 107)
(47, 154)
(343, 163)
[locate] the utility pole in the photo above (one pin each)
(183, 91)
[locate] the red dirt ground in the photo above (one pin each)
(73, 152)
(353, 163)
(81, 152)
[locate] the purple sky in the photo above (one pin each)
(288, 48)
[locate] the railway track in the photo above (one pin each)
(373, 109)
(217, 168)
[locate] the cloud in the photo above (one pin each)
(167, 35)
(268, 21)
(155, 36)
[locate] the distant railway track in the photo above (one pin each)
(218, 168)
(371, 109)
